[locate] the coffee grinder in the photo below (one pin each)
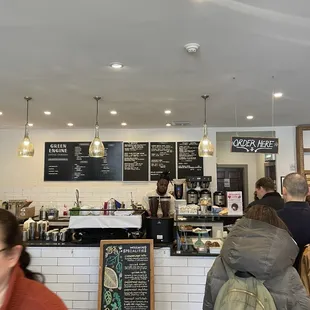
(178, 185)
(160, 229)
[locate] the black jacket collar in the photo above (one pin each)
(272, 194)
(297, 205)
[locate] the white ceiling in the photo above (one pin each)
(59, 53)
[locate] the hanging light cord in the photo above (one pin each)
(27, 112)
(272, 109)
(236, 120)
(205, 111)
(97, 112)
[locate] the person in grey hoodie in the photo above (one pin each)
(261, 245)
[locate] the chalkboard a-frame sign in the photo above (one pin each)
(126, 275)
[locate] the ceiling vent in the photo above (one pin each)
(181, 124)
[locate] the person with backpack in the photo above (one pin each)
(255, 267)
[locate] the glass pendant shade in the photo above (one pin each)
(205, 148)
(96, 148)
(26, 148)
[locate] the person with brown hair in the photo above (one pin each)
(20, 288)
(260, 246)
(266, 194)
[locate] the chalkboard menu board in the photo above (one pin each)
(126, 276)
(163, 159)
(136, 161)
(69, 161)
(189, 163)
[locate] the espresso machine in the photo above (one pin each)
(198, 187)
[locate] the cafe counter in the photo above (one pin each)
(72, 271)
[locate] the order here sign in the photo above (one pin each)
(254, 145)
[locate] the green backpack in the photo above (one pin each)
(243, 293)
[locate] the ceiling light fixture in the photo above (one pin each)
(30, 125)
(124, 124)
(168, 112)
(70, 124)
(116, 65)
(277, 95)
(96, 148)
(113, 112)
(250, 117)
(205, 148)
(168, 125)
(47, 112)
(26, 148)
(1, 113)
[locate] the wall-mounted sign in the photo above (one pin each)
(254, 145)
(69, 161)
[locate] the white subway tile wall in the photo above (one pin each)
(60, 194)
(72, 273)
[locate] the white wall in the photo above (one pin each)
(22, 178)
(225, 157)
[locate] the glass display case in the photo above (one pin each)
(200, 234)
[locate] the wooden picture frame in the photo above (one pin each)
(147, 242)
(281, 183)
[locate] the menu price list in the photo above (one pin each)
(69, 161)
(136, 274)
(189, 162)
(163, 158)
(126, 276)
(135, 161)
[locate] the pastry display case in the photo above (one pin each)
(200, 233)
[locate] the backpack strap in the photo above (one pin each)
(232, 274)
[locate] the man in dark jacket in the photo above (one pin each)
(296, 211)
(267, 196)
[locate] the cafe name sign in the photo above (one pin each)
(255, 145)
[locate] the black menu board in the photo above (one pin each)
(163, 159)
(189, 163)
(136, 161)
(126, 276)
(69, 161)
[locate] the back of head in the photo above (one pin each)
(266, 183)
(11, 237)
(165, 176)
(295, 186)
(265, 214)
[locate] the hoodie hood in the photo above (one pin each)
(259, 248)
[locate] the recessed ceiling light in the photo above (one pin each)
(168, 125)
(70, 124)
(47, 112)
(1, 113)
(124, 124)
(250, 117)
(116, 65)
(168, 112)
(30, 124)
(113, 112)
(278, 95)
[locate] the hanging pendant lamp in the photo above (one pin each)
(205, 148)
(26, 148)
(96, 148)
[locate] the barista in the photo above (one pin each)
(162, 191)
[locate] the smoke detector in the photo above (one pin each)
(192, 47)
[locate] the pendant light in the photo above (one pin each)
(96, 148)
(26, 148)
(205, 148)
